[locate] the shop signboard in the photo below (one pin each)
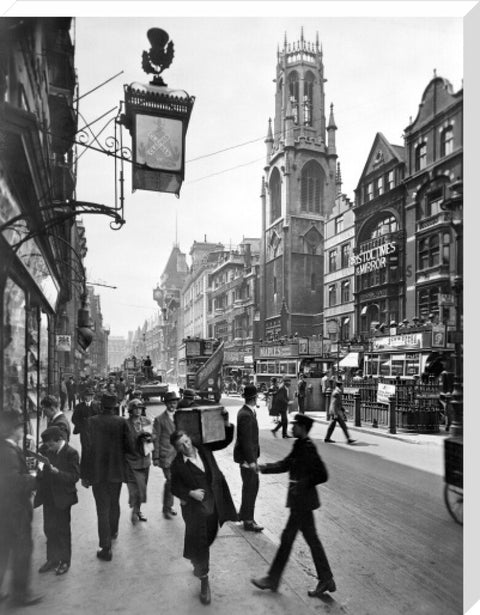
(438, 336)
(385, 391)
(397, 342)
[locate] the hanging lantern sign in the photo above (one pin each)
(157, 118)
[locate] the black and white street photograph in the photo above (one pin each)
(232, 305)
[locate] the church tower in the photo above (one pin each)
(298, 193)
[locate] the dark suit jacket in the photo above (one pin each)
(59, 488)
(106, 444)
(16, 485)
(187, 477)
(281, 399)
(81, 414)
(306, 470)
(62, 423)
(247, 447)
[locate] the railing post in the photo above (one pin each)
(356, 409)
(392, 414)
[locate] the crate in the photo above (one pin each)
(203, 424)
(454, 462)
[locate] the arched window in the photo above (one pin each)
(386, 225)
(446, 141)
(312, 187)
(293, 94)
(308, 99)
(275, 195)
(420, 156)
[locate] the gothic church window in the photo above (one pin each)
(275, 195)
(293, 94)
(308, 99)
(311, 187)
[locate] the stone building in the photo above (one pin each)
(298, 192)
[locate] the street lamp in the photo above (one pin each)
(454, 205)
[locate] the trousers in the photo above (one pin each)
(250, 485)
(283, 423)
(303, 521)
(107, 500)
(167, 491)
(333, 423)
(56, 525)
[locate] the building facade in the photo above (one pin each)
(38, 268)
(298, 192)
(117, 352)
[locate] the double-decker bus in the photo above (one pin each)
(200, 363)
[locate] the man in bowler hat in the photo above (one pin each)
(306, 470)
(246, 453)
(103, 466)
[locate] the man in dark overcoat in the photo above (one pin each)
(16, 486)
(246, 453)
(306, 470)
(103, 466)
(83, 411)
(57, 494)
(205, 498)
(281, 406)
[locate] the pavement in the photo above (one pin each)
(148, 574)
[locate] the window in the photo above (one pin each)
(420, 156)
(293, 91)
(308, 99)
(428, 301)
(433, 202)
(275, 195)
(332, 295)
(385, 226)
(312, 187)
(332, 260)
(446, 141)
(428, 252)
(313, 282)
(346, 291)
(380, 185)
(446, 249)
(369, 191)
(274, 284)
(345, 255)
(391, 180)
(338, 225)
(345, 329)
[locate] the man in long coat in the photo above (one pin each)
(336, 413)
(163, 451)
(104, 467)
(205, 497)
(83, 411)
(306, 470)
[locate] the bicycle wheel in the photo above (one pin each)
(454, 502)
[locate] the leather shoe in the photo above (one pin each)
(167, 514)
(329, 440)
(141, 516)
(62, 568)
(105, 554)
(26, 600)
(48, 565)
(274, 433)
(252, 526)
(350, 441)
(265, 583)
(205, 595)
(322, 587)
(172, 512)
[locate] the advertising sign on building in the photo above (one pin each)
(289, 350)
(408, 340)
(303, 345)
(64, 343)
(385, 391)
(438, 336)
(315, 347)
(374, 258)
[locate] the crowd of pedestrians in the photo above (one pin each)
(117, 450)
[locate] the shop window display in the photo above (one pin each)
(14, 346)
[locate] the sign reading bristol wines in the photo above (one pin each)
(374, 258)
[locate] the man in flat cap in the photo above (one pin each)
(103, 466)
(337, 414)
(163, 451)
(306, 470)
(57, 493)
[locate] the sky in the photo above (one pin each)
(377, 67)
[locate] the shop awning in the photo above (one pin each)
(351, 360)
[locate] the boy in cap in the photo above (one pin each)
(306, 470)
(163, 451)
(57, 493)
(55, 417)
